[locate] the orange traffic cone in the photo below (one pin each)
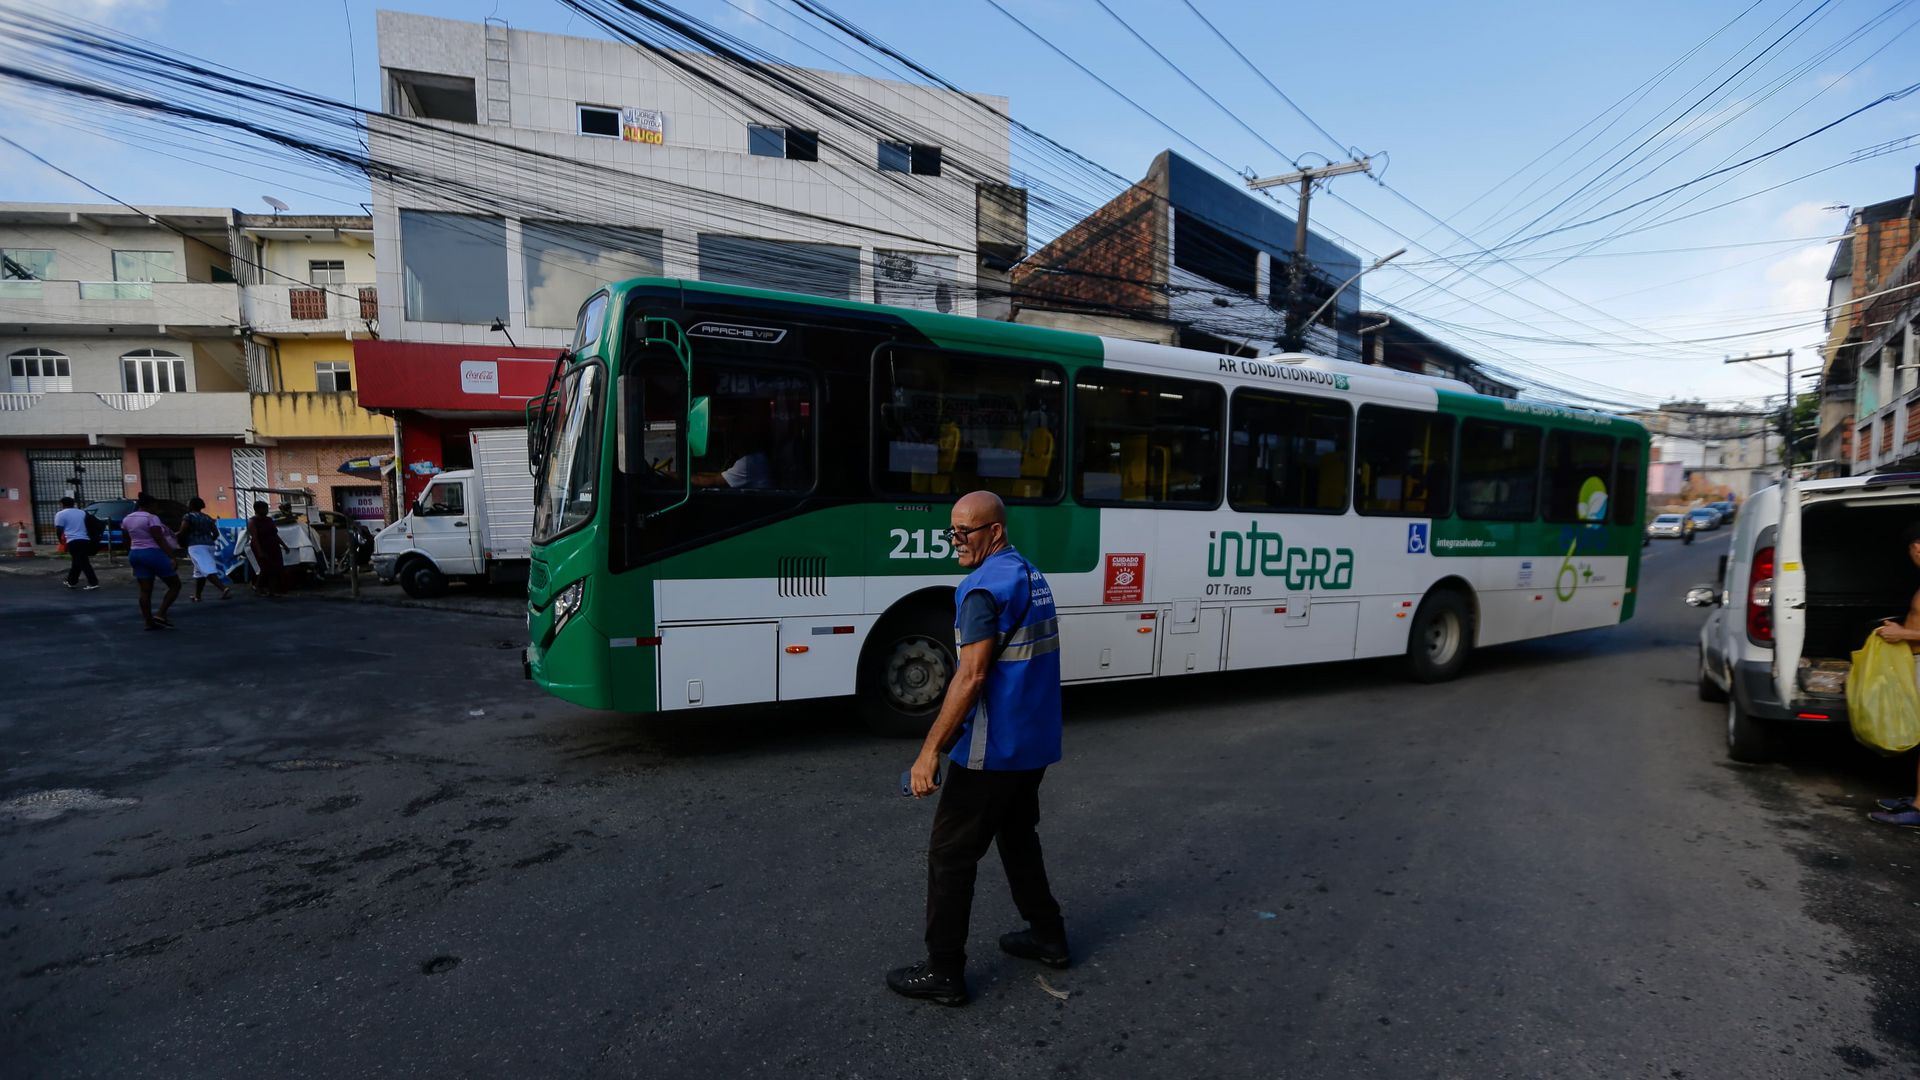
(23, 545)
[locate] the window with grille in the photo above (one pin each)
(327, 271)
(333, 377)
(37, 371)
(150, 371)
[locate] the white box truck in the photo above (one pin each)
(473, 524)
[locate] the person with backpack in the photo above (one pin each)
(201, 534)
(82, 532)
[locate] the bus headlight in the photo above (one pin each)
(564, 607)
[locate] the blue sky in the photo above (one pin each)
(1458, 97)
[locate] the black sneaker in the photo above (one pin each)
(1028, 945)
(922, 982)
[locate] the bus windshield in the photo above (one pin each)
(564, 497)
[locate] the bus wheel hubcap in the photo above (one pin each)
(1443, 637)
(917, 673)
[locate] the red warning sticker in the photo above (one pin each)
(1126, 578)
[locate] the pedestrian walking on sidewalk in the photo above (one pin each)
(1000, 723)
(72, 523)
(150, 548)
(201, 534)
(264, 536)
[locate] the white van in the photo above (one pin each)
(475, 524)
(1813, 569)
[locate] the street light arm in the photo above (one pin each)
(1377, 264)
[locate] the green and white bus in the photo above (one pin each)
(743, 497)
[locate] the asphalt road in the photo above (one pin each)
(314, 839)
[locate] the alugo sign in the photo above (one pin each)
(1244, 554)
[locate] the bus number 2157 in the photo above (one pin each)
(919, 544)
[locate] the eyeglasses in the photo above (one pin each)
(959, 535)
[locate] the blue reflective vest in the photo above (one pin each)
(1016, 723)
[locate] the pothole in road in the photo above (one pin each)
(309, 764)
(439, 965)
(47, 805)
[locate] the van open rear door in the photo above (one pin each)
(1789, 596)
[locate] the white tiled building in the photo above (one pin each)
(506, 142)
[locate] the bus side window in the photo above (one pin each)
(1403, 462)
(1288, 452)
(1499, 470)
(1143, 440)
(1574, 461)
(1628, 475)
(949, 423)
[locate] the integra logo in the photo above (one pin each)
(759, 335)
(1244, 554)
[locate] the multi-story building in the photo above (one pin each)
(121, 336)
(1711, 454)
(1873, 352)
(1186, 258)
(519, 170)
(308, 295)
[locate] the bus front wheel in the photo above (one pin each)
(905, 671)
(1440, 638)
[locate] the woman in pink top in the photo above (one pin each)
(150, 547)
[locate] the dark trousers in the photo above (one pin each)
(81, 551)
(980, 807)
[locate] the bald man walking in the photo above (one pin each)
(1000, 726)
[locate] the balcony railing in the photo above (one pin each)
(310, 309)
(66, 413)
(106, 303)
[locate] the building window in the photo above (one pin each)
(327, 271)
(1499, 470)
(1403, 464)
(432, 97)
(563, 264)
(1575, 478)
(454, 267)
(1287, 452)
(950, 423)
(785, 265)
(38, 371)
(1144, 440)
(795, 144)
(333, 377)
(916, 158)
(150, 371)
(598, 121)
(22, 270)
(144, 266)
(1202, 249)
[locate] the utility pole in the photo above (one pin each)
(1296, 328)
(1786, 417)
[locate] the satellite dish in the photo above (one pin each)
(277, 205)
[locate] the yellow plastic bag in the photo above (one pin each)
(1883, 700)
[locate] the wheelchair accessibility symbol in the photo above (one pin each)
(1417, 538)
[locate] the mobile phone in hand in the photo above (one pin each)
(939, 777)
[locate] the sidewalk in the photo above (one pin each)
(500, 602)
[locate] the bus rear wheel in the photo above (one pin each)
(905, 671)
(1440, 638)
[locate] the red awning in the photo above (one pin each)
(456, 378)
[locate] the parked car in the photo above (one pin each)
(1705, 519)
(1667, 525)
(1810, 573)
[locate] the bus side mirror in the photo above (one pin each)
(698, 414)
